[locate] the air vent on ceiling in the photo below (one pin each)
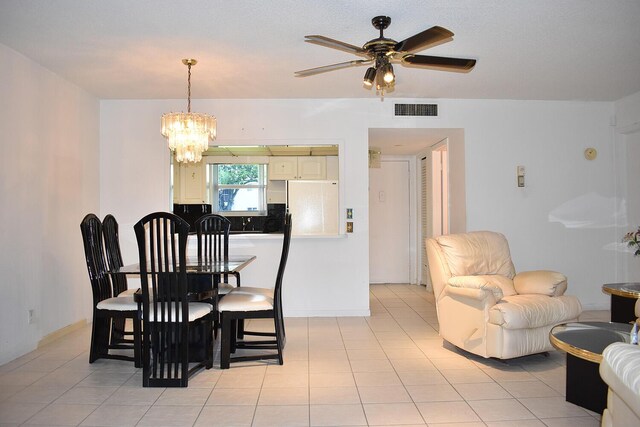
(416, 110)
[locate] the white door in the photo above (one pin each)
(389, 256)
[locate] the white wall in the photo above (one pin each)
(560, 220)
(627, 145)
(49, 175)
(324, 276)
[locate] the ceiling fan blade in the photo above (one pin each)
(439, 62)
(428, 38)
(334, 44)
(324, 69)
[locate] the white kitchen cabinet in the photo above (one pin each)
(297, 167)
(283, 167)
(189, 183)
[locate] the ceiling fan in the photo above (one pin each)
(381, 52)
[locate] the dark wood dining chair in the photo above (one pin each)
(118, 281)
(213, 245)
(255, 303)
(170, 322)
(106, 307)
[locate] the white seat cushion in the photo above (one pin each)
(245, 302)
(128, 293)
(533, 311)
(267, 292)
(118, 304)
(225, 288)
(196, 311)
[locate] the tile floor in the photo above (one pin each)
(389, 369)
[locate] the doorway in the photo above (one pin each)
(415, 145)
(389, 224)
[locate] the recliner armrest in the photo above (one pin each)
(620, 369)
(483, 296)
(543, 282)
(476, 282)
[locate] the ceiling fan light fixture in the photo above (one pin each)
(388, 75)
(369, 77)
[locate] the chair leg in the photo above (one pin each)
(225, 345)
(93, 350)
(240, 329)
(99, 337)
(233, 334)
(209, 342)
(278, 329)
(137, 343)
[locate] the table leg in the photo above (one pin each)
(584, 386)
(622, 309)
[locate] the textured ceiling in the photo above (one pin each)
(543, 49)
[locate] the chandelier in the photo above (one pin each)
(188, 133)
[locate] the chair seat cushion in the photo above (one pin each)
(196, 311)
(225, 288)
(118, 304)
(245, 302)
(128, 293)
(267, 292)
(534, 311)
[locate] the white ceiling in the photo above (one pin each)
(526, 49)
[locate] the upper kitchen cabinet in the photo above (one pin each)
(297, 167)
(189, 183)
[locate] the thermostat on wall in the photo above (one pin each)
(590, 153)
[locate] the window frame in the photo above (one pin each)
(213, 188)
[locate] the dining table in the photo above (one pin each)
(203, 278)
(203, 275)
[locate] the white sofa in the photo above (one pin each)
(484, 307)
(620, 369)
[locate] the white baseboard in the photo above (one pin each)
(327, 313)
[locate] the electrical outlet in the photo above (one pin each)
(31, 314)
(349, 227)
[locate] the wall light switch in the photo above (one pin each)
(349, 213)
(349, 227)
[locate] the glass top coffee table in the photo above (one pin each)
(584, 343)
(623, 300)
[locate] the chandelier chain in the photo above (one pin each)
(189, 89)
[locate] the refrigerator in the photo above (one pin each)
(314, 207)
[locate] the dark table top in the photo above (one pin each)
(627, 290)
(587, 340)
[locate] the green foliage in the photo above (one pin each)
(632, 239)
(237, 174)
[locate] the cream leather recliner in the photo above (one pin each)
(484, 307)
(620, 369)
